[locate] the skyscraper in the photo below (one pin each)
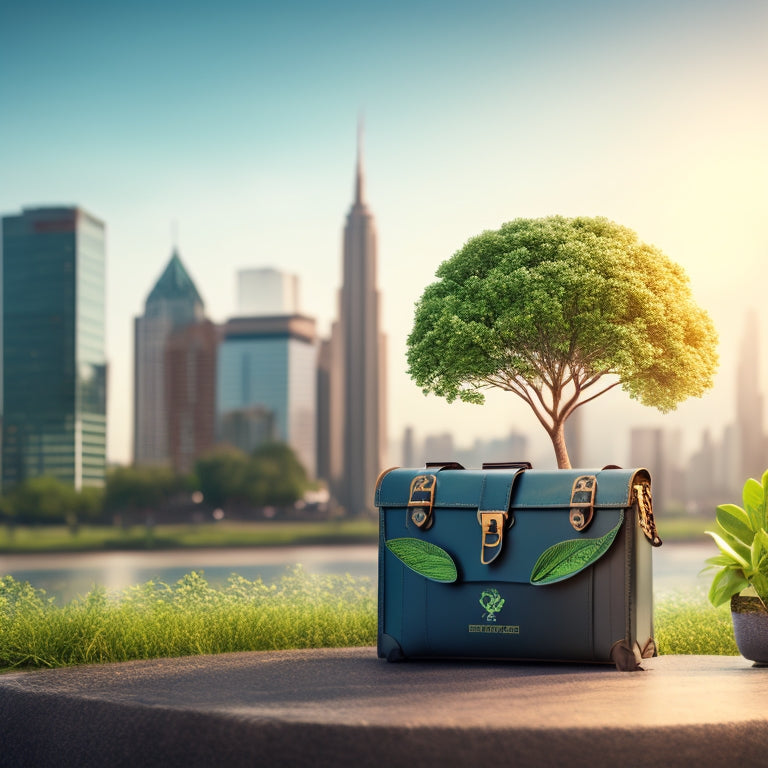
(267, 291)
(172, 304)
(190, 393)
(356, 362)
(266, 384)
(54, 366)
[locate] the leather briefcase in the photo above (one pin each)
(508, 562)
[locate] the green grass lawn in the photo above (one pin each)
(189, 617)
(27, 539)
(299, 611)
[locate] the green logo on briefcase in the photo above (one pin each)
(492, 603)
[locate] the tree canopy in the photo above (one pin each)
(558, 311)
(273, 475)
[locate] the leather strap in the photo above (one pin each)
(494, 513)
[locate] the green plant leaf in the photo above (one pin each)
(759, 552)
(567, 558)
(424, 558)
(754, 503)
(735, 521)
(756, 553)
(759, 582)
(719, 560)
(740, 558)
(730, 581)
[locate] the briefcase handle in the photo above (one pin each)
(441, 465)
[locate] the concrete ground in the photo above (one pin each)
(344, 707)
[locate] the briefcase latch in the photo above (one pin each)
(583, 501)
(492, 525)
(421, 499)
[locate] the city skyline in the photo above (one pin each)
(235, 127)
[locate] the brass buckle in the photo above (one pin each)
(583, 501)
(421, 499)
(492, 525)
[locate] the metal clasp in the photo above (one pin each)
(421, 499)
(583, 501)
(492, 525)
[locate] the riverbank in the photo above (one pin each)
(234, 534)
(222, 534)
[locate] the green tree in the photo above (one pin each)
(139, 489)
(43, 500)
(223, 476)
(559, 311)
(271, 476)
(90, 504)
(283, 477)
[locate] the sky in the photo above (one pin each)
(229, 129)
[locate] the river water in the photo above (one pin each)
(65, 576)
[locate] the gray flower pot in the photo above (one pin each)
(750, 627)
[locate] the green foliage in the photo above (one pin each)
(742, 539)
(424, 558)
(222, 476)
(90, 505)
(137, 489)
(272, 476)
(189, 617)
(281, 476)
(557, 311)
(567, 558)
(42, 500)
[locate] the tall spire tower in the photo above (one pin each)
(358, 381)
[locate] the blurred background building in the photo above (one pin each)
(172, 304)
(353, 370)
(266, 384)
(190, 393)
(267, 291)
(53, 357)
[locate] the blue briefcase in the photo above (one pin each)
(508, 562)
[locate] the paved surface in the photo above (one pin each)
(345, 707)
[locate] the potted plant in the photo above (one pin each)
(742, 568)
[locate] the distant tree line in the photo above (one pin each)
(226, 479)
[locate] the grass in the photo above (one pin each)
(187, 618)
(29, 539)
(299, 611)
(685, 527)
(689, 625)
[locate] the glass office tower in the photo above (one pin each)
(266, 384)
(54, 366)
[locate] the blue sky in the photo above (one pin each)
(234, 125)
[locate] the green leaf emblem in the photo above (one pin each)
(567, 558)
(426, 559)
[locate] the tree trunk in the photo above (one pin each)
(557, 435)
